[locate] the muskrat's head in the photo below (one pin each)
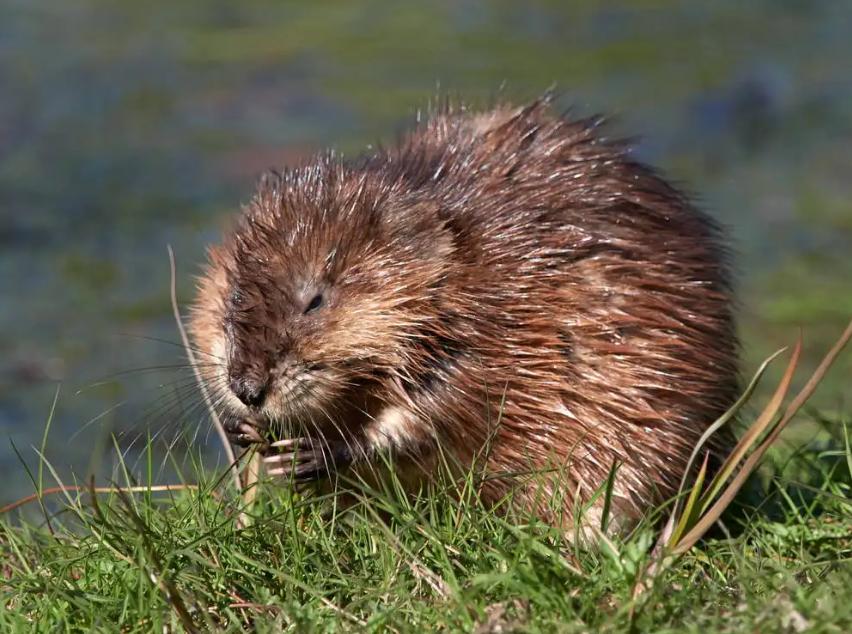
(318, 290)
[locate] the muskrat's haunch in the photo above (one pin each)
(508, 279)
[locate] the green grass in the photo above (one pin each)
(153, 561)
(269, 559)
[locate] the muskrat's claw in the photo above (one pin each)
(243, 433)
(306, 460)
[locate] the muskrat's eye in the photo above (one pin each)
(315, 303)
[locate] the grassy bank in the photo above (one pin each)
(178, 560)
(198, 557)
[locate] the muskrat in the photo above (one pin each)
(507, 286)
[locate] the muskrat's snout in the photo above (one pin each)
(251, 391)
(276, 389)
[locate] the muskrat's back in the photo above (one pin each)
(512, 286)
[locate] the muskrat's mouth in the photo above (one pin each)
(290, 388)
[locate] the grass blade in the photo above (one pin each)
(690, 509)
(608, 491)
(721, 421)
(712, 514)
(750, 437)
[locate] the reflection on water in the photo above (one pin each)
(125, 127)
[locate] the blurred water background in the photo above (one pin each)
(127, 126)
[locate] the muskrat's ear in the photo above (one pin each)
(418, 229)
(412, 219)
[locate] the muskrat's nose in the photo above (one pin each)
(252, 392)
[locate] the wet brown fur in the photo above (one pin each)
(508, 266)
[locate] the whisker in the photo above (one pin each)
(95, 419)
(171, 343)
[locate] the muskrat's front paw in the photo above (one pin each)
(306, 460)
(244, 433)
